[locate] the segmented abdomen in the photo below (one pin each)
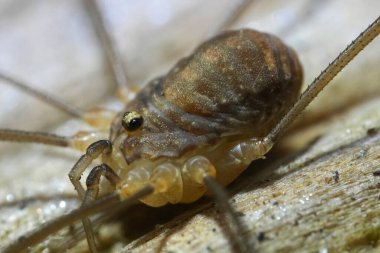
(239, 77)
(238, 84)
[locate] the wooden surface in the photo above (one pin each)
(291, 197)
(320, 201)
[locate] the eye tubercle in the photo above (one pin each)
(132, 121)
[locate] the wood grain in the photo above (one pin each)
(293, 203)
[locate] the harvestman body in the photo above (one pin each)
(202, 123)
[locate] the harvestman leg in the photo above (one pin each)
(246, 151)
(110, 50)
(103, 147)
(114, 60)
(233, 16)
(221, 198)
(305, 99)
(46, 229)
(123, 84)
(220, 195)
(47, 98)
(97, 148)
(324, 78)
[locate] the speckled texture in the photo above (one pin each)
(303, 206)
(56, 63)
(238, 81)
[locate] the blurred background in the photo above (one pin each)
(51, 45)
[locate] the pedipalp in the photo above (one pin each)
(303, 105)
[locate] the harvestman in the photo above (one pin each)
(199, 169)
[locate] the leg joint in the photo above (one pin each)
(99, 147)
(95, 174)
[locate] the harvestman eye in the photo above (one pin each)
(132, 121)
(176, 161)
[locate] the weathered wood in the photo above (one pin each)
(324, 200)
(330, 215)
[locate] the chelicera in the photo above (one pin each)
(166, 146)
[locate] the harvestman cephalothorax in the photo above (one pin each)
(9, 135)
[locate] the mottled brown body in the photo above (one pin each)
(237, 84)
(206, 119)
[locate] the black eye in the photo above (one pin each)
(132, 121)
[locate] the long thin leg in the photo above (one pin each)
(47, 98)
(96, 117)
(38, 235)
(34, 137)
(255, 148)
(202, 172)
(92, 151)
(91, 194)
(79, 141)
(109, 47)
(233, 16)
(324, 78)
(237, 228)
